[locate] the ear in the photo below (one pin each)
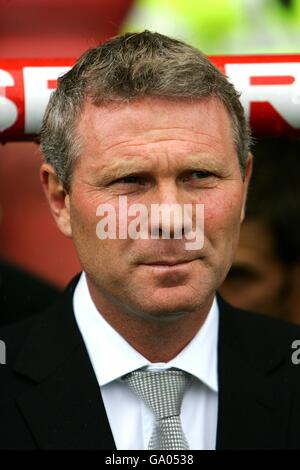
(247, 177)
(58, 199)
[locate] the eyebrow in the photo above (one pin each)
(204, 162)
(124, 167)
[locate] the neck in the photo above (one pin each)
(156, 339)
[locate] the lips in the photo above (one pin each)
(168, 262)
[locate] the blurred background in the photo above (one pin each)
(265, 275)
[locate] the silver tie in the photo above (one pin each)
(163, 392)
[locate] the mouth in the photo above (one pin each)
(169, 264)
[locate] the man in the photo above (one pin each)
(264, 276)
(140, 354)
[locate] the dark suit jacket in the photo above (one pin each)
(50, 398)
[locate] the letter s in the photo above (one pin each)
(8, 110)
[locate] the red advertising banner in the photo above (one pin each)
(269, 87)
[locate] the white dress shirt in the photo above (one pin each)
(131, 421)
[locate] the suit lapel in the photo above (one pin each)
(63, 408)
(253, 400)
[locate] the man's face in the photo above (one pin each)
(156, 151)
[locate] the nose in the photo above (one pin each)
(166, 212)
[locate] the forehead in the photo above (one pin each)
(203, 122)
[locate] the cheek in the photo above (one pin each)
(90, 247)
(83, 220)
(222, 216)
(85, 206)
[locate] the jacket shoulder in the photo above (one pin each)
(262, 336)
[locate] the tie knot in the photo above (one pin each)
(162, 391)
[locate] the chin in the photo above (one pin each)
(170, 306)
(163, 314)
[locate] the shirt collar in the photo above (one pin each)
(112, 356)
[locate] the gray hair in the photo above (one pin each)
(126, 68)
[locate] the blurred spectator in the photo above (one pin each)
(265, 276)
(22, 294)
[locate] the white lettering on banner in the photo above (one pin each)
(276, 83)
(9, 112)
(37, 94)
(281, 97)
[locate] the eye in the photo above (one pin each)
(130, 179)
(198, 175)
(130, 183)
(202, 174)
